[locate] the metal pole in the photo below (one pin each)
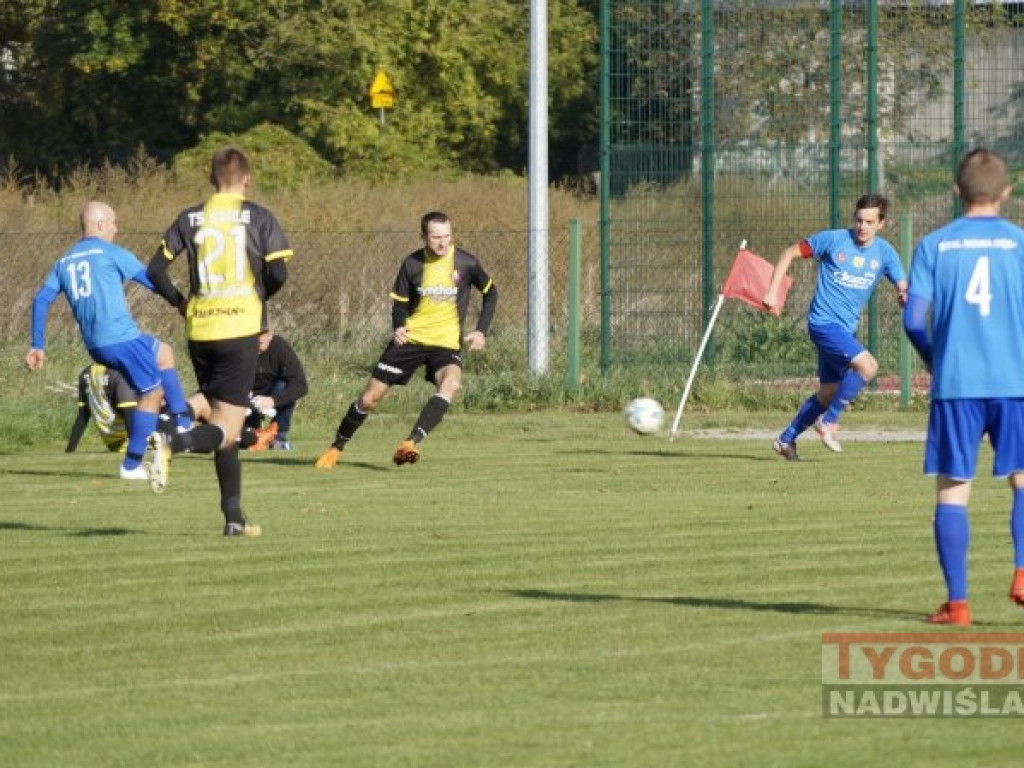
(906, 358)
(707, 155)
(604, 182)
(959, 97)
(573, 342)
(835, 100)
(874, 184)
(537, 287)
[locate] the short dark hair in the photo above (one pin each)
(434, 217)
(981, 177)
(229, 166)
(873, 200)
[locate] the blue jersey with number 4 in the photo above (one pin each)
(971, 271)
(92, 275)
(847, 276)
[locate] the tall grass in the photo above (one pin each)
(350, 236)
(147, 195)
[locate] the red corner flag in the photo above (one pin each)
(748, 281)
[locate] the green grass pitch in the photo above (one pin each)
(539, 590)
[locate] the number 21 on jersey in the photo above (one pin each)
(216, 245)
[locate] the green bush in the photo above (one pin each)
(284, 161)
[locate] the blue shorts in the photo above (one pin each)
(135, 360)
(955, 430)
(836, 348)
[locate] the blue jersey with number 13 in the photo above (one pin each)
(92, 275)
(971, 271)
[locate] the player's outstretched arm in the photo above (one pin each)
(915, 323)
(40, 310)
(157, 274)
(78, 429)
(142, 279)
(901, 292)
(788, 256)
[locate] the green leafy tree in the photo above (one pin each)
(88, 80)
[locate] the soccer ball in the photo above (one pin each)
(644, 415)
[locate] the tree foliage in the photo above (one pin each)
(772, 75)
(89, 80)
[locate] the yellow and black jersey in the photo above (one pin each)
(431, 296)
(105, 394)
(231, 243)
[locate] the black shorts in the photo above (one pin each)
(399, 363)
(226, 369)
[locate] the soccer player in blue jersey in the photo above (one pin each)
(968, 276)
(851, 262)
(91, 275)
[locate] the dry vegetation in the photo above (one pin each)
(348, 235)
(148, 195)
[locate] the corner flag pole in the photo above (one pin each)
(674, 432)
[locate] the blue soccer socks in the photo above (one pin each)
(849, 388)
(142, 426)
(175, 397)
(805, 417)
(952, 537)
(1017, 528)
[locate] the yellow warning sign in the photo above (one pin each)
(382, 92)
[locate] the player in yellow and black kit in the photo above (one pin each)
(106, 398)
(429, 303)
(237, 258)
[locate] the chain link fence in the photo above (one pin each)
(336, 302)
(763, 121)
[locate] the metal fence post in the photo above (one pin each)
(906, 359)
(573, 294)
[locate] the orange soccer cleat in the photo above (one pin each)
(264, 437)
(328, 458)
(407, 453)
(956, 613)
(1017, 588)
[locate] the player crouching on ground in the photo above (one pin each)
(280, 383)
(107, 399)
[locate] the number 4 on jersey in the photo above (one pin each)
(979, 289)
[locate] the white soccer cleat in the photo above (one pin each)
(829, 434)
(139, 473)
(159, 471)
